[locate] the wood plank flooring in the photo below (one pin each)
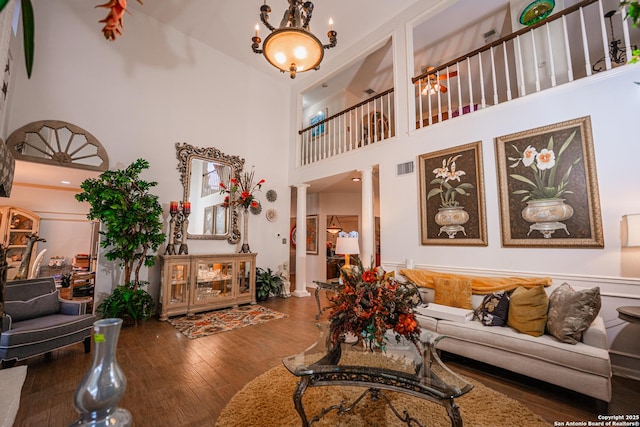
(174, 381)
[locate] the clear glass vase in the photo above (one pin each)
(104, 384)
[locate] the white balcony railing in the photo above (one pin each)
(356, 127)
(574, 43)
(571, 44)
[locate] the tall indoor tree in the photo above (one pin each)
(131, 232)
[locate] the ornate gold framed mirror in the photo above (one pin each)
(201, 172)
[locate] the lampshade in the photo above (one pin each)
(631, 230)
(292, 49)
(7, 167)
(347, 246)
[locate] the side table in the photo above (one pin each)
(629, 313)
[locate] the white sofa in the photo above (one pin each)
(584, 367)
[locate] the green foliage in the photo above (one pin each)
(634, 13)
(128, 302)
(267, 283)
(130, 214)
(28, 32)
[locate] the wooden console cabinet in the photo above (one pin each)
(194, 283)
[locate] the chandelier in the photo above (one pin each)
(334, 228)
(292, 47)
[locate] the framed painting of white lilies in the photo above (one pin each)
(549, 188)
(451, 196)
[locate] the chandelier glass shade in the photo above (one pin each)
(292, 47)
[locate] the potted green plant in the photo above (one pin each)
(267, 283)
(132, 234)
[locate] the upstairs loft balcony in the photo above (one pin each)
(580, 41)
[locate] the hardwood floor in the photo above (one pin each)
(174, 381)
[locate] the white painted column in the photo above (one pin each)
(367, 254)
(301, 249)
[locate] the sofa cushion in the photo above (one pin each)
(494, 309)
(453, 292)
(34, 307)
(571, 312)
(580, 357)
(528, 310)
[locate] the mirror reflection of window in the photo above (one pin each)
(208, 216)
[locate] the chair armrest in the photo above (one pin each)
(5, 322)
(596, 334)
(72, 308)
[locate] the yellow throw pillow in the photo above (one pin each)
(453, 292)
(528, 310)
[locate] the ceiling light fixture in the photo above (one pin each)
(292, 47)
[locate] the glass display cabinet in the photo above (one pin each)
(195, 283)
(16, 225)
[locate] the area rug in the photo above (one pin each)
(11, 381)
(268, 401)
(214, 322)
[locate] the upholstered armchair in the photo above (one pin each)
(37, 321)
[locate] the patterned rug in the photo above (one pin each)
(213, 322)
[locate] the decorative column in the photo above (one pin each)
(301, 249)
(368, 221)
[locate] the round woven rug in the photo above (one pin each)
(268, 401)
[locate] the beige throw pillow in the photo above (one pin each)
(571, 312)
(453, 292)
(528, 310)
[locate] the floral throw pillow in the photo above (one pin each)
(571, 312)
(494, 309)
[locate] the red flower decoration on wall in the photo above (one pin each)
(113, 21)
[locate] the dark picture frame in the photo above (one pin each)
(453, 176)
(537, 168)
(312, 234)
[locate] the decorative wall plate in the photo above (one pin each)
(272, 195)
(536, 11)
(271, 215)
(256, 210)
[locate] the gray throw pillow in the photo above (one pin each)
(571, 312)
(35, 307)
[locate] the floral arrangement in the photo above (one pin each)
(370, 303)
(444, 177)
(544, 165)
(240, 192)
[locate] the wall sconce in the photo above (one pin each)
(631, 230)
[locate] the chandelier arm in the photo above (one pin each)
(308, 9)
(256, 44)
(265, 10)
(333, 40)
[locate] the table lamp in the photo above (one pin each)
(347, 244)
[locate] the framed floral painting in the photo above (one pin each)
(548, 187)
(312, 234)
(451, 196)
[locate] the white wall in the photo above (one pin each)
(146, 91)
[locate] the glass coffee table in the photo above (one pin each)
(403, 367)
